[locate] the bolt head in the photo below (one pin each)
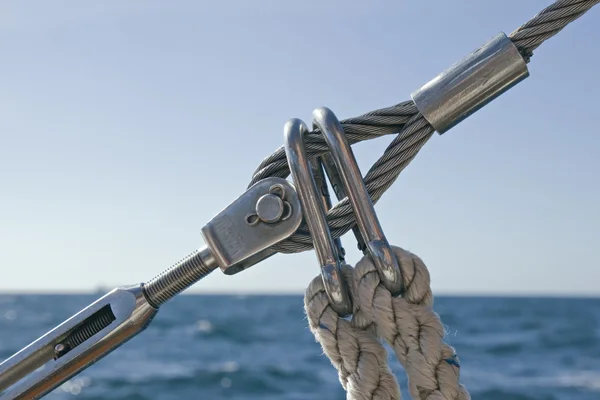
(269, 208)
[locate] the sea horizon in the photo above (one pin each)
(259, 347)
(105, 289)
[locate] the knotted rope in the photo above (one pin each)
(408, 324)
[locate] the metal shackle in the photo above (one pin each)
(358, 196)
(313, 209)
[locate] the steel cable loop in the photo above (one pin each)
(372, 125)
(411, 128)
(380, 177)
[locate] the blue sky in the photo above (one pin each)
(125, 126)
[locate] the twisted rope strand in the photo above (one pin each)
(548, 23)
(408, 324)
(358, 356)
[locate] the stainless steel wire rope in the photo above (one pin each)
(412, 129)
(412, 132)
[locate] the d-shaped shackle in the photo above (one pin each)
(313, 209)
(376, 243)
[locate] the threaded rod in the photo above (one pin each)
(179, 277)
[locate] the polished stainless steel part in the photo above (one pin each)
(366, 218)
(471, 83)
(316, 165)
(242, 233)
(37, 364)
(240, 236)
(314, 213)
(340, 193)
(237, 238)
(269, 208)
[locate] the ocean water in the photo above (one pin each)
(259, 347)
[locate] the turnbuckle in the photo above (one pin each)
(240, 236)
(368, 224)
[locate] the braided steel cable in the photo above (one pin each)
(548, 23)
(412, 129)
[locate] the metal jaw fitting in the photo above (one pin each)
(240, 236)
(314, 211)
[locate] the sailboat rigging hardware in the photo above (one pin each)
(237, 238)
(267, 218)
(314, 213)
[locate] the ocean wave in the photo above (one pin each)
(222, 378)
(255, 348)
(501, 394)
(589, 380)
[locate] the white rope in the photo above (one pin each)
(408, 324)
(356, 353)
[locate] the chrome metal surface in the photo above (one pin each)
(238, 237)
(180, 276)
(366, 218)
(340, 193)
(236, 244)
(471, 83)
(314, 214)
(39, 368)
(316, 165)
(269, 208)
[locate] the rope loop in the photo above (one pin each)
(408, 324)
